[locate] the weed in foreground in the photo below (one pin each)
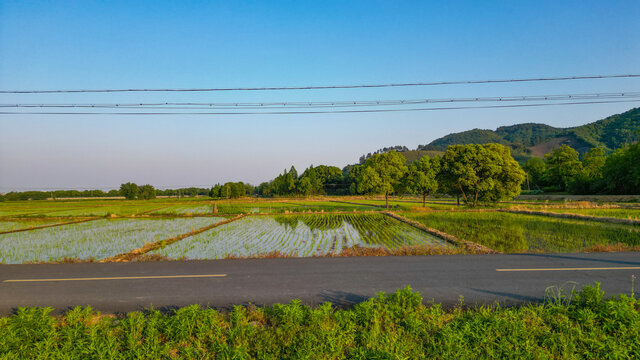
(394, 326)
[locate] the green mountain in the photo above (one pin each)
(528, 140)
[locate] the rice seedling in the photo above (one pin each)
(91, 240)
(299, 235)
(520, 233)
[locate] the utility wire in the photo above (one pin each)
(328, 104)
(318, 111)
(436, 83)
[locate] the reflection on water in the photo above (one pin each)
(300, 235)
(371, 229)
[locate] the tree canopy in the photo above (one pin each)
(421, 177)
(382, 174)
(481, 173)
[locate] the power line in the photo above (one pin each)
(436, 83)
(316, 112)
(328, 104)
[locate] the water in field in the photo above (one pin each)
(299, 235)
(96, 239)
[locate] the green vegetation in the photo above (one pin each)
(611, 133)
(475, 136)
(562, 166)
(596, 173)
(485, 173)
(395, 326)
(622, 213)
(383, 174)
(421, 178)
(230, 190)
(512, 233)
(527, 134)
(621, 171)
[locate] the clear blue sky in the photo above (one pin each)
(137, 44)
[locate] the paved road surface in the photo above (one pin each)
(120, 287)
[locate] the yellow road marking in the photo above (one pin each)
(121, 278)
(576, 269)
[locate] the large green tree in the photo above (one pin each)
(534, 168)
(589, 179)
(382, 174)
(129, 190)
(621, 171)
(562, 165)
(481, 173)
(421, 177)
(147, 192)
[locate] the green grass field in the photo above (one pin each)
(622, 213)
(512, 233)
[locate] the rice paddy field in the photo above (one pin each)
(514, 233)
(300, 236)
(97, 239)
(621, 213)
(97, 229)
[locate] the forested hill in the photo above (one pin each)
(537, 139)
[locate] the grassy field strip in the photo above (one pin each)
(149, 247)
(516, 233)
(605, 219)
(152, 210)
(314, 213)
(354, 203)
(616, 212)
(47, 211)
(302, 205)
(49, 225)
(453, 202)
(470, 246)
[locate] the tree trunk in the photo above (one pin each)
(386, 199)
(424, 200)
(463, 195)
(458, 198)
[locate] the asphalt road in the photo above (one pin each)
(480, 279)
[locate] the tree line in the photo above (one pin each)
(128, 190)
(474, 173)
(563, 169)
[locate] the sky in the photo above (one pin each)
(203, 44)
